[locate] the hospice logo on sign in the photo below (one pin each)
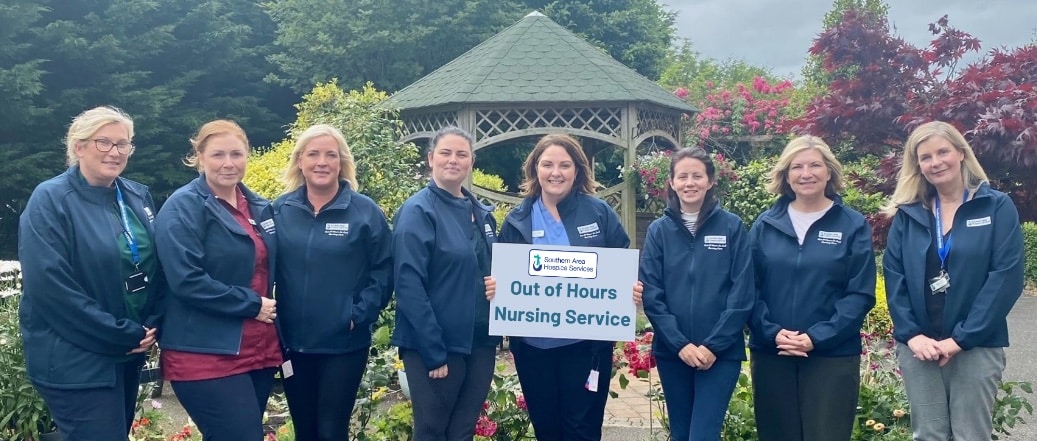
(563, 264)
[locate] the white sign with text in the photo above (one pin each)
(563, 292)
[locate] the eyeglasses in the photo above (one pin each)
(106, 145)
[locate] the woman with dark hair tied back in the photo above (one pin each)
(954, 268)
(91, 283)
(815, 282)
(441, 254)
(334, 276)
(220, 349)
(698, 292)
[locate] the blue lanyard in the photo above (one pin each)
(943, 249)
(124, 215)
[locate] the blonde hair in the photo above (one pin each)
(292, 176)
(584, 180)
(206, 132)
(779, 174)
(912, 187)
(86, 124)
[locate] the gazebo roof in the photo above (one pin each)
(534, 61)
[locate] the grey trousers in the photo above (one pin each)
(955, 401)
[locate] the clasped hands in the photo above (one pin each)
(793, 343)
(928, 349)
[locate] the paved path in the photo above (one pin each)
(628, 417)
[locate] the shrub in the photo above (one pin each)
(1030, 248)
(495, 183)
(22, 412)
(747, 197)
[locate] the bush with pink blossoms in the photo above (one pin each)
(504, 415)
(727, 114)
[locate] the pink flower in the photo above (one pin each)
(485, 405)
(681, 93)
(520, 401)
(485, 427)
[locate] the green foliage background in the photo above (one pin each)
(386, 170)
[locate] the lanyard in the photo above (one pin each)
(124, 216)
(943, 249)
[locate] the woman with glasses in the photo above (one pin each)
(219, 345)
(91, 281)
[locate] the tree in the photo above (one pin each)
(389, 43)
(638, 33)
(170, 65)
(394, 43)
(896, 87)
(699, 76)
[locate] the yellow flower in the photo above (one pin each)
(378, 394)
(397, 363)
(870, 423)
(899, 413)
(879, 427)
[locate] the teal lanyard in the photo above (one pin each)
(942, 248)
(125, 217)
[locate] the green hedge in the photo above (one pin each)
(1030, 245)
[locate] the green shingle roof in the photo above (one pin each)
(533, 61)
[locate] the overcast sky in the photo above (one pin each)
(777, 34)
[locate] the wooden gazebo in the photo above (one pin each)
(534, 78)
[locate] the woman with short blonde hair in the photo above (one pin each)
(815, 283)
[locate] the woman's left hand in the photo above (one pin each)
(948, 349)
(639, 291)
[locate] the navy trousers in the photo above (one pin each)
(103, 413)
(697, 400)
(554, 383)
(322, 392)
(229, 408)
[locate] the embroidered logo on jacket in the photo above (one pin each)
(830, 237)
(268, 226)
(588, 231)
(489, 230)
(716, 243)
(338, 230)
(978, 222)
(151, 217)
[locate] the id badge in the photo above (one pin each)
(136, 282)
(940, 283)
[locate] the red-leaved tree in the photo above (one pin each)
(883, 87)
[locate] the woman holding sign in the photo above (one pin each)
(565, 381)
(815, 281)
(954, 268)
(441, 253)
(698, 293)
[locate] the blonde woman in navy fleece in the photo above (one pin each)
(334, 275)
(91, 282)
(815, 280)
(698, 293)
(954, 269)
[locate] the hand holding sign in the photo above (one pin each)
(562, 292)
